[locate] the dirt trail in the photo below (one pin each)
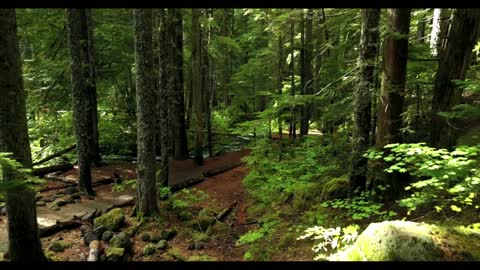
(225, 189)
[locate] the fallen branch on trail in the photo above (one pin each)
(60, 226)
(54, 168)
(224, 214)
(52, 156)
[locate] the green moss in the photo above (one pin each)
(176, 254)
(201, 258)
(335, 188)
(112, 220)
(59, 246)
(149, 249)
(114, 253)
(410, 241)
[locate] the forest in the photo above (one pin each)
(239, 134)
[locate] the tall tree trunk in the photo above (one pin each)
(163, 103)
(82, 88)
(226, 32)
(146, 99)
(292, 131)
(175, 81)
(421, 28)
(281, 60)
(197, 87)
(439, 30)
(363, 93)
(208, 82)
(24, 241)
(308, 69)
(393, 86)
(301, 64)
(453, 66)
(92, 89)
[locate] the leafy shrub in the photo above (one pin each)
(445, 179)
(330, 238)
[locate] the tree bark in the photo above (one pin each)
(146, 187)
(197, 87)
(453, 66)
(83, 87)
(439, 30)
(308, 71)
(175, 81)
(393, 88)
(421, 29)
(24, 241)
(293, 128)
(162, 102)
(362, 97)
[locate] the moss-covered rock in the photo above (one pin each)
(149, 249)
(41, 203)
(219, 229)
(335, 188)
(114, 254)
(176, 254)
(411, 241)
(206, 217)
(162, 244)
(121, 240)
(168, 234)
(107, 235)
(59, 246)
(112, 220)
(157, 236)
(185, 215)
(201, 258)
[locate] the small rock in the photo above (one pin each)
(121, 240)
(70, 190)
(84, 229)
(59, 246)
(76, 196)
(107, 235)
(149, 249)
(162, 244)
(196, 245)
(177, 254)
(60, 203)
(56, 196)
(48, 199)
(145, 237)
(112, 220)
(69, 201)
(56, 208)
(155, 237)
(41, 203)
(3, 211)
(38, 197)
(89, 237)
(99, 231)
(168, 234)
(114, 254)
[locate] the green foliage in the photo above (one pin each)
(331, 238)
(14, 176)
(185, 198)
(361, 206)
(444, 179)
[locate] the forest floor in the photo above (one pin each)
(223, 190)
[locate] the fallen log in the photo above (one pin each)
(60, 226)
(54, 168)
(52, 156)
(94, 252)
(120, 205)
(224, 214)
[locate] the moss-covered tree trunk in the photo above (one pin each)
(307, 71)
(83, 93)
(162, 101)
(24, 241)
(146, 99)
(197, 95)
(439, 32)
(362, 97)
(175, 81)
(390, 106)
(453, 66)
